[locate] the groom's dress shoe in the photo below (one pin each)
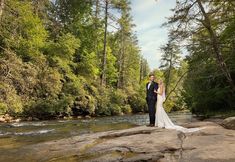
(150, 125)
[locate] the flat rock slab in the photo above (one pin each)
(212, 144)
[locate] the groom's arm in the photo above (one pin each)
(146, 92)
(156, 86)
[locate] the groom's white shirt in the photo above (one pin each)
(149, 85)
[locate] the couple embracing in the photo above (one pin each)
(155, 98)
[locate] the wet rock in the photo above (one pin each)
(145, 158)
(88, 117)
(67, 117)
(30, 119)
(35, 119)
(229, 123)
(8, 118)
(2, 119)
(79, 117)
(17, 120)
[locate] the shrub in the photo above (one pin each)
(118, 97)
(47, 108)
(169, 105)
(115, 109)
(10, 101)
(103, 102)
(84, 105)
(126, 109)
(3, 108)
(137, 103)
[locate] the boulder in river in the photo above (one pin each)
(229, 123)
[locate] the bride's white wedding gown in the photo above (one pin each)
(162, 119)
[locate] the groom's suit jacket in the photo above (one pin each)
(150, 94)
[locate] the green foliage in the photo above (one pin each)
(64, 47)
(115, 109)
(25, 32)
(206, 94)
(137, 103)
(103, 102)
(10, 102)
(112, 102)
(51, 60)
(3, 108)
(84, 105)
(208, 88)
(111, 70)
(52, 52)
(49, 84)
(47, 108)
(126, 109)
(118, 97)
(88, 65)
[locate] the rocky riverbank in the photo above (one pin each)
(212, 144)
(10, 119)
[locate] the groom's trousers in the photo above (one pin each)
(152, 110)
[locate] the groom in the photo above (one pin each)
(151, 98)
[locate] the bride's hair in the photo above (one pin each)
(160, 81)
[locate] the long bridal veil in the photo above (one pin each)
(163, 120)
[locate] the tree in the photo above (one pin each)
(103, 80)
(125, 38)
(2, 4)
(170, 60)
(207, 83)
(53, 54)
(191, 17)
(22, 31)
(144, 69)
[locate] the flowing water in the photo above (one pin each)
(16, 135)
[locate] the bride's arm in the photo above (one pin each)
(161, 90)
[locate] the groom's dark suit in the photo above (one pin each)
(151, 98)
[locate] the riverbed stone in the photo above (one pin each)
(229, 123)
(211, 144)
(2, 119)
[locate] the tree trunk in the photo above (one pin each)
(103, 76)
(36, 7)
(169, 73)
(97, 10)
(181, 77)
(216, 46)
(141, 70)
(121, 62)
(2, 4)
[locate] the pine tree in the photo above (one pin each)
(170, 60)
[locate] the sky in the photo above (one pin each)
(148, 16)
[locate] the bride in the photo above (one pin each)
(162, 119)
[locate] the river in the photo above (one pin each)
(17, 135)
